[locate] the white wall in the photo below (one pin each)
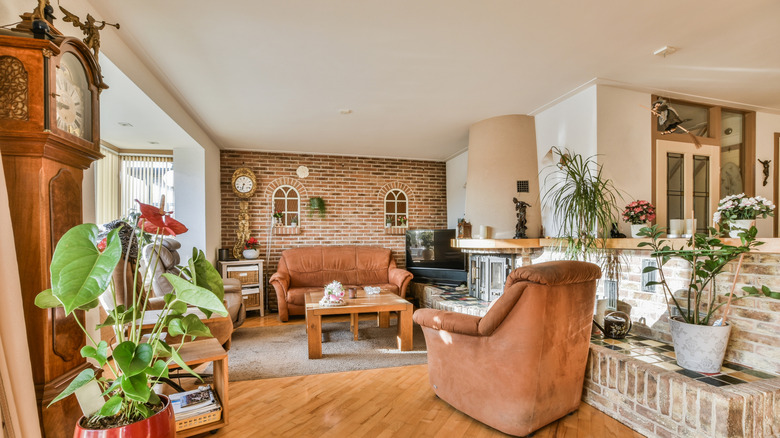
(766, 126)
(624, 143)
(457, 172)
(189, 185)
(570, 124)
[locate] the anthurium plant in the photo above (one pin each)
(707, 256)
(81, 271)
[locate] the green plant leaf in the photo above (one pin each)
(82, 379)
(196, 295)
(146, 412)
(112, 406)
(649, 269)
(79, 271)
(206, 276)
(154, 399)
(136, 387)
(99, 353)
(114, 385)
(177, 358)
(175, 327)
(47, 300)
(195, 327)
(132, 359)
(159, 369)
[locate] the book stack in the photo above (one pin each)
(195, 408)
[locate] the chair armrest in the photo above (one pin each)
(155, 303)
(401, 278)
(232, 285)
(448, 321)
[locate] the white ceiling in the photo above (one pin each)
(273, 75)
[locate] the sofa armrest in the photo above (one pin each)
(282, 279)
(448, 321)
(401, 278)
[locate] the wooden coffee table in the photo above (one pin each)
(382, 303)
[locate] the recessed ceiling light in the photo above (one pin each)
(126, 125)
(154, 142)
(665, 51)
(345, 111)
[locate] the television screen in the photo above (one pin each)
(431, 249)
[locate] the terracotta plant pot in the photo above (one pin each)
(699, 348)
(159, 425)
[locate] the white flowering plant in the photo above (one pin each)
(737, 207)
(334, 291)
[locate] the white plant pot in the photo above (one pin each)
(699, 348)
(635, 228)
(739, 225)
(251, 254)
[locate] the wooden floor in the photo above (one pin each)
(389, 402)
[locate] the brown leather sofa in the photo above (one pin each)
(522, 365)
(310, 268)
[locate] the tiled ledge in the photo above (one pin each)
(638, 383)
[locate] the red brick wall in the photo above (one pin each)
(353, 189)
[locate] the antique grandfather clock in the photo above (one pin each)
(49, 134)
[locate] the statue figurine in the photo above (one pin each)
(765, 163)
(90, 28)
(520, 228)
(615, 232)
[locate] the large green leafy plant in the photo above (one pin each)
(706, 256)
(81, 270)
(582, 200)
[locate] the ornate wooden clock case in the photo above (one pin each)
(49, 134)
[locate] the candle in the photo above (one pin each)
(676, 227)
(484, 231)
(690, 226)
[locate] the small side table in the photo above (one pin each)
(199, 352)
(250, 274)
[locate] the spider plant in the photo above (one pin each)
(583, 202)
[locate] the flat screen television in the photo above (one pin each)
(431, 258)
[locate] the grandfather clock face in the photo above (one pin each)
(74, 100)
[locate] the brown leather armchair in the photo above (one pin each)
(522, 365)
(309, 269)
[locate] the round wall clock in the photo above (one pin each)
(244, 182)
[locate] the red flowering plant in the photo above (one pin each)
(639, 212)
(251, 243)
(82, 270)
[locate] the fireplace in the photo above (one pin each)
(488, 273)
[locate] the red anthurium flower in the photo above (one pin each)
(158, 220)
(102, 245)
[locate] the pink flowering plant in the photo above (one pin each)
(639, 212)
(334, 291)
(738, 207)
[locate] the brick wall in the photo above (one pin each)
(661, 403)
(353, 189)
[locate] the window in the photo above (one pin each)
(689, 179)
(286, 202)
(686, 186)
(395, 208)
(146, 178)
(121, 179)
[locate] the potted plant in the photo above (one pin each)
(638, 214)
(278, 215)
(317, 204)
(739, 212)
(699, 341)
(402, 221)
(426, 240)
(81, 270)
(294, 221)
(251, 249)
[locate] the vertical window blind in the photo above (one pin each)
(146, 178)
(107, 193)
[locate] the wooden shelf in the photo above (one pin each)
(249, 288)
(200, 352)
(495, 243)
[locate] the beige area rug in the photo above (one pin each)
(282, 351)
